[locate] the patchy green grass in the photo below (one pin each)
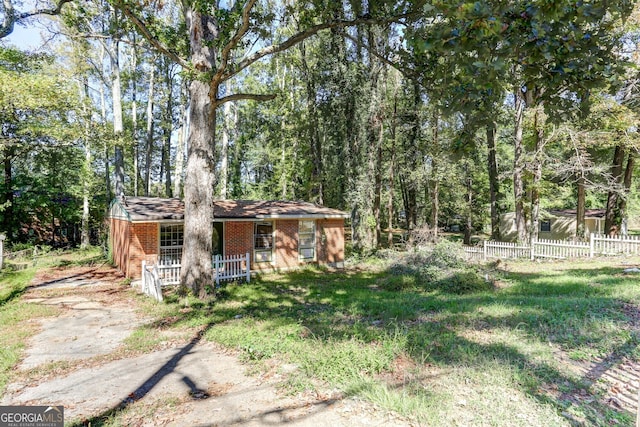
(440, 348)
(15, 316)
(496, 357)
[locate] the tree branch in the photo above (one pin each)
(142, 27)
(10, 16)
(226, 51)
(407, 72)
(244, 97)
(305, 34)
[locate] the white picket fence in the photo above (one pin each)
(231, 267)
(556, 249)
(155, 276)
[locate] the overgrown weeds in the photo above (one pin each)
(425, 338)
(429, 337)
(442, 267)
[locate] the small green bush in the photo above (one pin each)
(443, 268)
(409, 263)
(465, 282)
(17, 247)
(447, 254)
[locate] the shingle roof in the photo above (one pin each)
(159, 209)
(588, 213)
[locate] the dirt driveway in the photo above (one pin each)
(78, 360)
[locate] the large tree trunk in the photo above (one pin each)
(622, 206)
(118, 127)
(435, 189)
(105, 147)
(149, 139)
(611, 224)
(134, 117)
(539, 120)
(197, 270)
(407, 182)
(84, 234)
(392, 165)
(377, 188)
(518, 168)
(494, 183)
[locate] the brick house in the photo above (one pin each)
(277, 234)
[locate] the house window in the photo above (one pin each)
(263, 242)
(545, 226)
(171, 238)
(307, 240)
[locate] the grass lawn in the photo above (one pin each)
(538, 348)
(531, 351)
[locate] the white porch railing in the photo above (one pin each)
(231, 267)
(169, 272)
(166, 274)
(557, 249)
(151, 281)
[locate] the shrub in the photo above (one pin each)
(447, 254)
(409, 263)
(464, 282)
(442, 268)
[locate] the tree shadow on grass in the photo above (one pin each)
(572, 315)
(333, 307)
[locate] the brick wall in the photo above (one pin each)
(133, 243)
(119, 241)
(144, 244)
(330, 241)
(286, 243)
(238, 238)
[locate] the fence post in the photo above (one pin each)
(484, 250)
(592, 245)
(216, 272)
(248, 268)
(144, 270)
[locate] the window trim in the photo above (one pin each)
(179, 247)
(256, 250)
